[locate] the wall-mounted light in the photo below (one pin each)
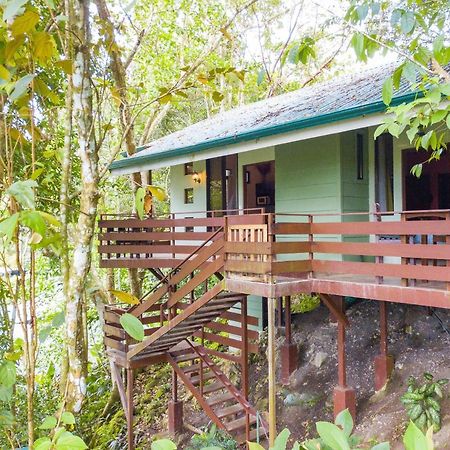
(196, 177)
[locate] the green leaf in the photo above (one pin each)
(49, 218)
(434, 95)
(332, 435)
(448, 121)
(6, 418)
(23, 192)
(345, 420)
(13, 8)
(158, 192)
(7, 373)
(67, 418)
(414, 439)
(445, 88)
(20, 87)
(388, 88)
(9, 225)
(6, 393)
(254, 446)
(24, 23)
(357, 43)
(43, 443)
(34, 221)
(407, 22)
(139, 202)
(281, 440)
(49, 423)
(125, 297)
(409, 71)
(68, 441)
(133, 326)
(163, 444)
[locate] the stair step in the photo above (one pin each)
(242, 438)
(192, 368)
(213, 387)
(239, 423)
(186, 357)
(220, 399)
(206, 376)
(230, 410)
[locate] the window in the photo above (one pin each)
(359, 157)
(189, 168)
(189, 229)
(189, 195)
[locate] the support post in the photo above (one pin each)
(344, 396)
(130, 409)
(175, 410)
(271, 372)
(384, 363)
(289, 351)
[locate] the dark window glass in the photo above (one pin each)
(189, 195)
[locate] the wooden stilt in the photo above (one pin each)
(130, 409)
(271, 371)
(384, 363)
(289, 351)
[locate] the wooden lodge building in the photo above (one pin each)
(269, 200)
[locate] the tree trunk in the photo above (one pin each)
(84, 231)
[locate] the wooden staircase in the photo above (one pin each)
(181, 317)
(223, 402)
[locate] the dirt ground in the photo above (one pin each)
(418, 341)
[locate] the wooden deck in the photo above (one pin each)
(397, 257)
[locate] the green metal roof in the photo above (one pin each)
(345, 97)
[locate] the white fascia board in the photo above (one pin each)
(268, 141)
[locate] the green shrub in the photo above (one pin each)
(213, 438)
(303, 303)
(423, 401)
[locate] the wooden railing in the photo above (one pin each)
(163, 242)
(406, 248)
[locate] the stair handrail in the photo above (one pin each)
(171, 273)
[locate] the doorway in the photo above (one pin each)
(221, 183)
(259, 186)
(432, 189)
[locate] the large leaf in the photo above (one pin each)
(7, 373)
(49, 423)
(125, 297)
(43, 46)
(67, 418)
(382, 446)
(388, 88)
(157, 192)
(25, 22)
(21, 87)
(13, 8)
(332, 435)
(23, 192)
(281, 440)
(133, 326)
(6, 393)
(139, 202)
(163, 444)
(6, 418)
(68, 441)
(43, 443)
(34, 221)
(254, 446)
(345, 420)
(8, 226)
(414, 439)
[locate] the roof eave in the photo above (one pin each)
(137, 161)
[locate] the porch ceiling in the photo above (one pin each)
(343, 99)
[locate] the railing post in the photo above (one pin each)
(378, 259)
(404, 240)
(447, 241)
(244, 360)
